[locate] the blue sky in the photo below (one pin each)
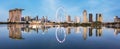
(109, 8)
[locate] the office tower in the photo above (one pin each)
(46, 19)
(90, 17)
(15, 15)
(43, 19)
(99, 17)
(85, 20)
(68, 18)
(35, 18)
(77, 19)
(27, 18)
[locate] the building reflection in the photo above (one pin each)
(77, 29)
(99, 32)
(85, 33)
(116, 31)
(36, 28)
(15, 31)
(90, 32)
(68, 30)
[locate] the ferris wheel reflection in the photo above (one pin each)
(60, 34)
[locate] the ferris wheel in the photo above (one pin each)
(60, 14)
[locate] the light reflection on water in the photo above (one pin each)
(44, 37)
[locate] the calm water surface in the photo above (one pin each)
(54, 37)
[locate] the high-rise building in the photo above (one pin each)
(68, 18)
(77, 19)
(43, 19)
(90, 17)
(99, 17)
(27, 18)
(15, 15)
(85, 20)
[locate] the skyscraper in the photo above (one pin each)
(85, 20)
(68, 18)
(77, 19)
(15, 15)
(99, 17)
(90, 17)
(27, 18)
(43, 19)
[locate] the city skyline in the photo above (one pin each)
(73, 8)
(86, 32)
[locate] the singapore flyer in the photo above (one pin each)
(60, 14)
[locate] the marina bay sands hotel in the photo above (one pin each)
(15, 15)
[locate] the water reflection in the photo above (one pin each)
(77, 29)
(99, 32)
(68, 30)
(90, 32)
(28, 28)
(85, 33)
(59, 32)
(15, 31)
(116, 31)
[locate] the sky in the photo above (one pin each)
(108, 8)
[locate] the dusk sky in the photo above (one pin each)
(109, 8)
